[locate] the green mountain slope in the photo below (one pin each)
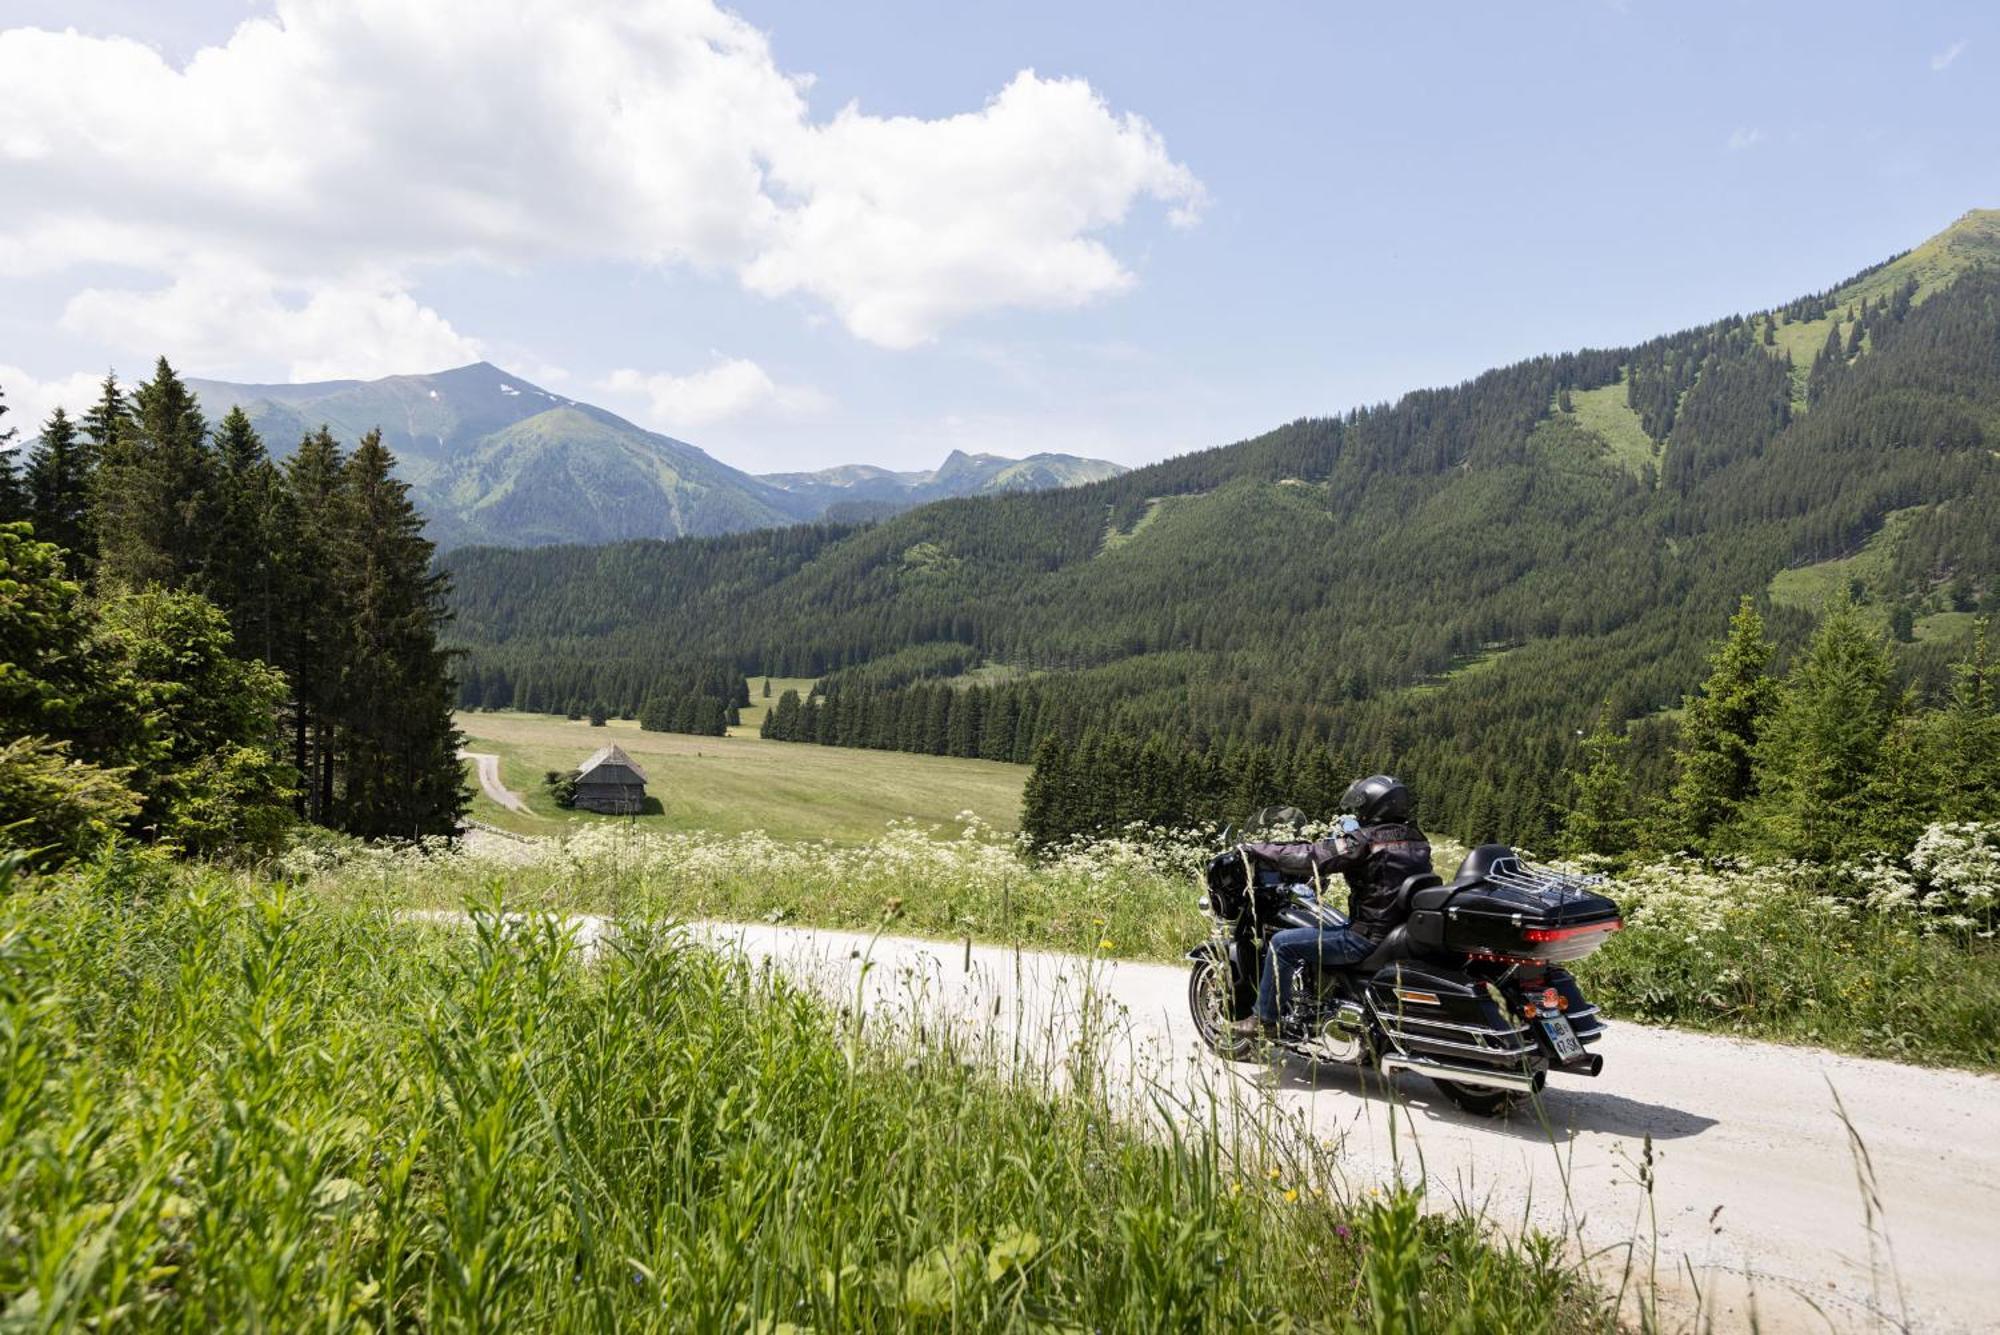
(961, 474)
(492, 458)
(1578, 527)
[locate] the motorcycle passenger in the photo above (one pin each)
(1376, 858)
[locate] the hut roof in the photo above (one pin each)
(608, 755)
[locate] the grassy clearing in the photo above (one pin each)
(1810, 587)
(1115, 538)
(1462, 667)
(991, 674)
(1972, 240)
(751, 718)
(239, 1107)
(735, 784)
(1604, 412)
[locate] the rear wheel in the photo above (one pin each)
(1480, 1099)
(1211, 1001)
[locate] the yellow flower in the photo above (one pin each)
(1107, 944)
(1291, 1193)
(1274, 1175)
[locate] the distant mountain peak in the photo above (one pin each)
(494, 458)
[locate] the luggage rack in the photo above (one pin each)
(1515, 874)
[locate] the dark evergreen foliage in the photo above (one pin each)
(320, 570)
(1450, 586)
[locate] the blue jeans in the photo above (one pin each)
(1315, 947)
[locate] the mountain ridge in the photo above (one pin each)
(492, 458)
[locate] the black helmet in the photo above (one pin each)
(1377, 798)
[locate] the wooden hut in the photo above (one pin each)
(611, 783)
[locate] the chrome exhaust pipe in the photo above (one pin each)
(1517, 1081)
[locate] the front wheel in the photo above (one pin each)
(1479, 1099)
(1211, 1001)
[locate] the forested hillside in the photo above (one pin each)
(1459, 585)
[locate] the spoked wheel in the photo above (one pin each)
(1479, 1099)
(1211, 1003)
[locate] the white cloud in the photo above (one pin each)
(732, 388)
(1943, 59)
(345, 145)
(1743, 138)
(30, 401)
(905, 225)
(225, 322)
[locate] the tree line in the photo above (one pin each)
(205, 645)
(1455, 585)
(1831, 761)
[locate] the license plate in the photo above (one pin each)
(1564, 1037)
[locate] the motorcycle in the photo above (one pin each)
(1472, 990)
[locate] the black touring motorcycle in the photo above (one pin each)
(1470, 991)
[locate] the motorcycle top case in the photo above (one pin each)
(1499, 905)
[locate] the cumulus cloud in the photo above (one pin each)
(344, 145)
(1743, 138)
(1943, 59)
(224, 321)
(30, 401)
(733, 387)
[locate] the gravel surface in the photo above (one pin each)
(1758, 1212)
(488, 766)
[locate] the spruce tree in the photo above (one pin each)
(13, 493)
(1601, 821)
(1713, 763)
(58, 479)
(154, 490)
(1043, 819)
(246, 574)
(1820, 756)
(1962, 741)
(403, 775)
(314, 634)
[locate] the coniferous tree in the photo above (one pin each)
(403, 776)
(1820, 756)
(247, 568)
(314, 631)
(1963, 740)
(1600, 820)
(13, 493)
(58, 481)
(154, 489)
(1714, 768)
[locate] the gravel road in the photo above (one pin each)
(488, 766)
(1757, 1205)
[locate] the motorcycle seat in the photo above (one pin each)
(1389, 949)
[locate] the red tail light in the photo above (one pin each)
(1565, 933)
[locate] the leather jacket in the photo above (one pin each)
(1376, 859)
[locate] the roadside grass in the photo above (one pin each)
(733, 785)
(251, 1107)
(1800, 955)
(1779, 953)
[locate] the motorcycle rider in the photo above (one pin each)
(1377, 857)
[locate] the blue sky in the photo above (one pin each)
(1383, 197)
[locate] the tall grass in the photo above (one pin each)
(1897, 959)
(248, 1106)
